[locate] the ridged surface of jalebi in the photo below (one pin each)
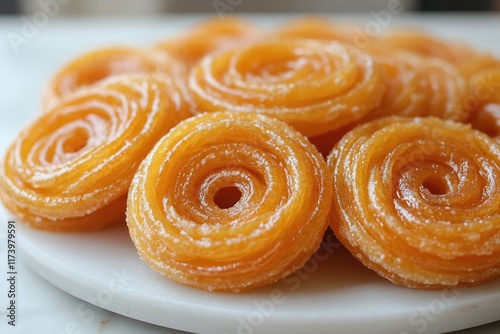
(418, 86)
(418, 201)
(100, 64)
(229, 201)
(463, 57)
(71, 169)
(484, 101)
(313, 86)
(208, 37)
(415, 86)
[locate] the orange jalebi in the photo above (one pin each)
(418, 201)
(465, 58)
(484, 101)
(103, 63)
(416, 86)
(314, 86)
(70, 170)
(208, 37)
(229, 201)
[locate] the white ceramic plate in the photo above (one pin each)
(334, 294)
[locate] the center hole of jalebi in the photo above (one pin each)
(76, 142)
(227, 197)
(435, 186)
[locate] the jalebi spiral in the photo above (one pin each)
(229, 201)
(71, 169)
(418, 201)
(100, 64)
(313, 86)
(463, 57)
(416, 86)
(209, 37)
(484, 101)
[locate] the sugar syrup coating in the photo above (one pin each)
(184, 232)
(484, 106)
(314, 86)
(419, 86)
(71, 168)
(100, 64)
(416, 86)
(209, 37)
(464, 57)
(418, 201)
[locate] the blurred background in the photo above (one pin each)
(126, 7)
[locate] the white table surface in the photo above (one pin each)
(43, 308)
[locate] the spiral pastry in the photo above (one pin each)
(229, 201)
(463, 57)
(313, 27)
(418, 201)
(207, 37)
(484, 102)
(418, 86)
(313, 86)
(71, 169)
(103, 63)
